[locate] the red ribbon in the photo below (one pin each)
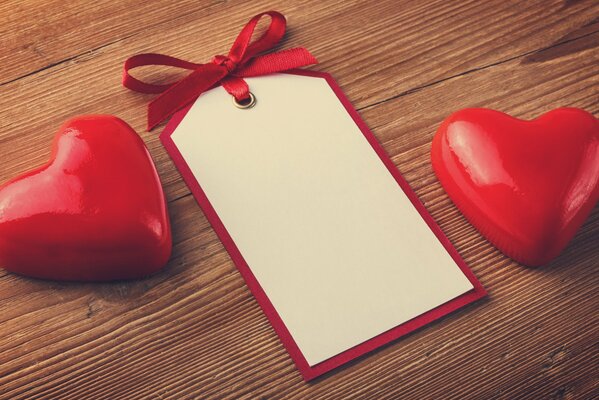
(242, 61)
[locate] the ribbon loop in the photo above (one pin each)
(141, 60)
(242, 61)
(243, 50)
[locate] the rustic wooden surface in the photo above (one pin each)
(194, 330)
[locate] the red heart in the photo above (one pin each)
(525, 185)
(96, 211)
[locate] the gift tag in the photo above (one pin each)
(334, 244)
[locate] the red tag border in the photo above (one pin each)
(310, 372)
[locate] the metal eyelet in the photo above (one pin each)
(245, 104)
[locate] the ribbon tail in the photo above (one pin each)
(277, 62)
(184, 92)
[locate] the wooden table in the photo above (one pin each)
(194, 330)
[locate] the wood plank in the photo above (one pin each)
(37, 34)
(195, 330)
(388, 51)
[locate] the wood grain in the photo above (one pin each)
(194, 330)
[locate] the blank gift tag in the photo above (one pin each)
(331, 240)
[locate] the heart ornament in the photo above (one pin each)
(95, 212)
(527, 186)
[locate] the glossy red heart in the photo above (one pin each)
(525, 185)
(95, 212)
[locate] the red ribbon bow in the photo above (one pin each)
(242, 61)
